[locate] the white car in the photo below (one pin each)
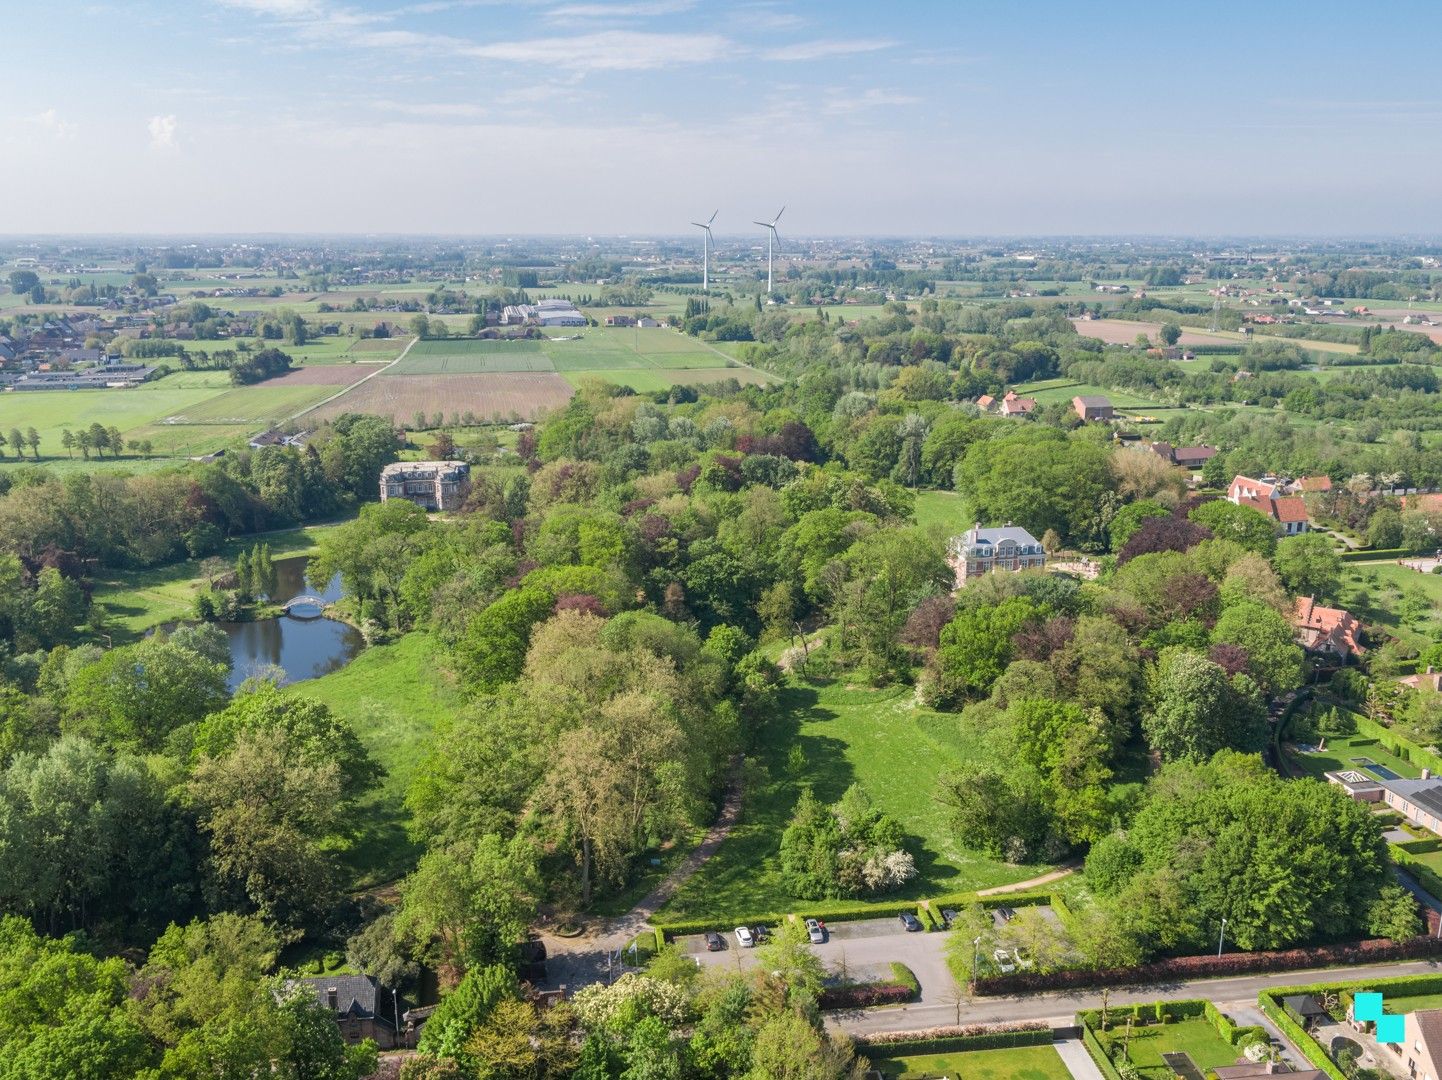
(745, 937)
(1003, 961)
(815, 931)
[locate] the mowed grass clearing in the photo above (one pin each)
(394, 696)
(1014, 1063)
(259, 404)
(848, 734)
(136, 600)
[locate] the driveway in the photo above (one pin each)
(863, 951)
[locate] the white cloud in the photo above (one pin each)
(162, 132)
(823, 48)
(607, 50)
(640, 8)
(843, 102)
(51, 121)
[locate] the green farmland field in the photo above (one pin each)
(255, 404)
(52, 411)
(468, 356)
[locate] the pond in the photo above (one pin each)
(302, 644)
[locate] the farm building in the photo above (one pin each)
(432, 485)
(1093, 407)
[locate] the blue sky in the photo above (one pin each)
(922, 117)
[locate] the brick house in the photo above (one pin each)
(365, 1009)
(980, 551)
(1330, 631)
(431, 485)
(1093, 407)
(1012, 405)
(1268, 496)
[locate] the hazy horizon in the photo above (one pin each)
(570, 118)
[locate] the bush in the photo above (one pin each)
(904, 976)
(864, 996)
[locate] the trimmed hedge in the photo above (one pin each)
(951, 1040)
(1373, 555)
(1394, 743)
(1195, 967)
(1421, 847)
(866, 995)
(1425, 875)
(1098, 1052)
(1295, 1035)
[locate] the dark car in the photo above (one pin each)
(910, 922)
(948, 916)
(714, 942)
(760, 933)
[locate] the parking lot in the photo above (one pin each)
(864, 950)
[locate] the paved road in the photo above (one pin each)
(1061, 1007)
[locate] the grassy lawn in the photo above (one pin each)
(1194, 1036)
(136, 600)
(1340, 754)
(1400, 1005)
(877, 738)
(1015, 1063)
(394, 695)
(652, 380)
(1403, 600)
(940, 508)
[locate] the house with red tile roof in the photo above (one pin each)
(1332, 631)
(1430, 503)
(1315, 484)
(985, 402)
(1268, 496)
(1011, 405)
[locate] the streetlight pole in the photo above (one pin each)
(1222, 936)
(975, 958)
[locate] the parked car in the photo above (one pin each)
(1006, 913)
(815, 931)
(1003, 961)
(714, 942)
(910, 922)
(948, 916)
(745, 937)
(760, 933)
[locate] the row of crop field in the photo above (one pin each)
(593, 349)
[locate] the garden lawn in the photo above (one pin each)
(394, 695)
(1401, 599)
(1015, 1063)
(848, 734)
(940, 508)
(1340, 753)
(1193, 1036)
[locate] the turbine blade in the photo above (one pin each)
(712, 217)
(778, 215)
(763, 224)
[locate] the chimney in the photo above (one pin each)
(1426, 774)
(332, 996)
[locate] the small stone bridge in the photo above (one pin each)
(305, 601)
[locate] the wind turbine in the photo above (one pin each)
(771, 238)
(706, 245)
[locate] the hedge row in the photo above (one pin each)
(1421, 847)
(928, 911)
(1394, 986)
(865, 995)
(1295, 1035)
(904, 976)
(1376, 554)
(1404, 748)
(956, 1040)
(1425, 875)
(1099, 1054)
(1196, 967)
